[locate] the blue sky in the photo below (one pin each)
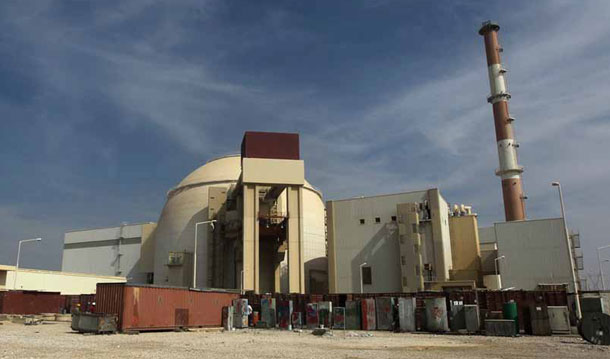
(106, 105)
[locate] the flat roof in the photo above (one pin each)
(382, 195)
(46, 271)
(110, 227)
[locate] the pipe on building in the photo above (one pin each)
(509, 171)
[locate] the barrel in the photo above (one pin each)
(255, 318)
(509, 311)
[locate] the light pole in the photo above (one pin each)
(601, 264)
(569, 245)
(19, 255)
(604, 261)
(496, 265)
(361, 279)
(599, 260)
(211, 223)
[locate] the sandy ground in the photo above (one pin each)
(58, 341)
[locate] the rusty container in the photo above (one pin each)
(145, 307)
(31, 302)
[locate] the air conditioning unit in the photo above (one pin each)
(175, 259)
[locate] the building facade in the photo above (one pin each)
(531, 253)
(124, 251)
(52, 281)
(388, 243)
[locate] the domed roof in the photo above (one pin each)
(221, 169)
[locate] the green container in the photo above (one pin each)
(509, 311)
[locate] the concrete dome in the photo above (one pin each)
(187, 204)
(220, 170)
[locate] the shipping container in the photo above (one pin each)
(142, 307)
(31, 302)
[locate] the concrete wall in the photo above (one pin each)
(465, 243)
(113, 251)
(535, 252)
(147, 248)
(488, 255)
(273, 171)
(487, 235)
(440, 233)
(52, 281)
(176, 233)
(351, 243)
(465, 248)
(314, 237)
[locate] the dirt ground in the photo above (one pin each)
(57, 340)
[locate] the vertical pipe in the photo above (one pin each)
(573, 266)
(17, 266)
(509, 171)
(195, 258)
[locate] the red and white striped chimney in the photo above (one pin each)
(509, 171)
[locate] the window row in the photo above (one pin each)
(377, 220)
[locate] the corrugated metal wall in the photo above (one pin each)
(109, 299)
(31, 302)
(154, 308)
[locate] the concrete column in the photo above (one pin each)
(411, 263)
(296, 276)
(440, 236)
(250, 237)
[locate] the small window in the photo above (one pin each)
(367, 275)
(393, 218)
(361, 220)
(377, 220)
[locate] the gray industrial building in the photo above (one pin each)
(530, 253)
(392, 243)
(115, 251)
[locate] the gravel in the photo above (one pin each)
(58, 341)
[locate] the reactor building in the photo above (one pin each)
(248, 221)
(269, 234)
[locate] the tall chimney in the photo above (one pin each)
(509, 171)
